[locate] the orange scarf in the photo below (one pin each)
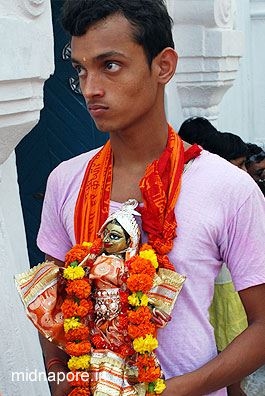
(160, 189)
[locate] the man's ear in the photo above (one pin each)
(165, 64)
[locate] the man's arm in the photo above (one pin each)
(52, 352)
(245, 354)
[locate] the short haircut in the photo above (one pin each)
(226, 144)
(150, 21)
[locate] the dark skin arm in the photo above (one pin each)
(51, 351)
(244, 355)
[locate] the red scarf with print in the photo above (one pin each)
(160, 189)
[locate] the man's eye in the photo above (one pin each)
(79, 70)
(112, 66)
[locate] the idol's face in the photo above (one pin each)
(118, 86)
(114, 239)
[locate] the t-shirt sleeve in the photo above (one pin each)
(243, 248)
(52, 238)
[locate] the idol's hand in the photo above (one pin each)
(160, 317)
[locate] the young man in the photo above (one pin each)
(123, 53)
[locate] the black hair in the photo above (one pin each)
(255, 153)
(226, 144)
(150, 21)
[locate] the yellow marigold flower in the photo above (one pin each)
(144, 300)
(159, 386)
(134, 300)
(150, 255)
(88, 244)
(147, 344)
(79, 362)
(71, 324)
(73, 273)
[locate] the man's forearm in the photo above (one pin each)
(51, 351)
(243, 356)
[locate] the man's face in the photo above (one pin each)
(115, 79)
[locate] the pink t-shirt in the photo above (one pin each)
(221, 217)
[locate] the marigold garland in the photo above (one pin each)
(139, 282)
(81, 348)
(75, 307)
(77, 253)
(80, 391)
(140, 327)
(78, 378)
(134, 318)
(80, 288)
(81, 333)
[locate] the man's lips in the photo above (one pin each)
(96, 108)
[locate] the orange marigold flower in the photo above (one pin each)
(142, 330)
(139, 282)
(145, 246)
(79, 288)
(142, 315)
(78, 378)
(81, 348)
(81, 333)
(142, 266)
(80, 391)
(145, 360)
(71, 308)
(77, 253)
(149, 375)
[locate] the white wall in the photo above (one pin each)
(242, 110)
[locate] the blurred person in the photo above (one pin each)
(255, 165)
(226, 144)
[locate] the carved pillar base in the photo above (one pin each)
(209, 52)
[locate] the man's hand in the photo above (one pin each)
(235, 390)
(57, 380)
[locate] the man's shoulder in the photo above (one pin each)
(75, 165)
(221, 176)
(78, 161)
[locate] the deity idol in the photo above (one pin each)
(106, 308)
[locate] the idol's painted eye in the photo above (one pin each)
(114, 236)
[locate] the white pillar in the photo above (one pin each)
(27, 61)
(209, 51)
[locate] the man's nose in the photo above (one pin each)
(91, 87)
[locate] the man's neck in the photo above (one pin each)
(138, 146)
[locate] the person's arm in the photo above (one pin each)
(55, 358)
(243, 356)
